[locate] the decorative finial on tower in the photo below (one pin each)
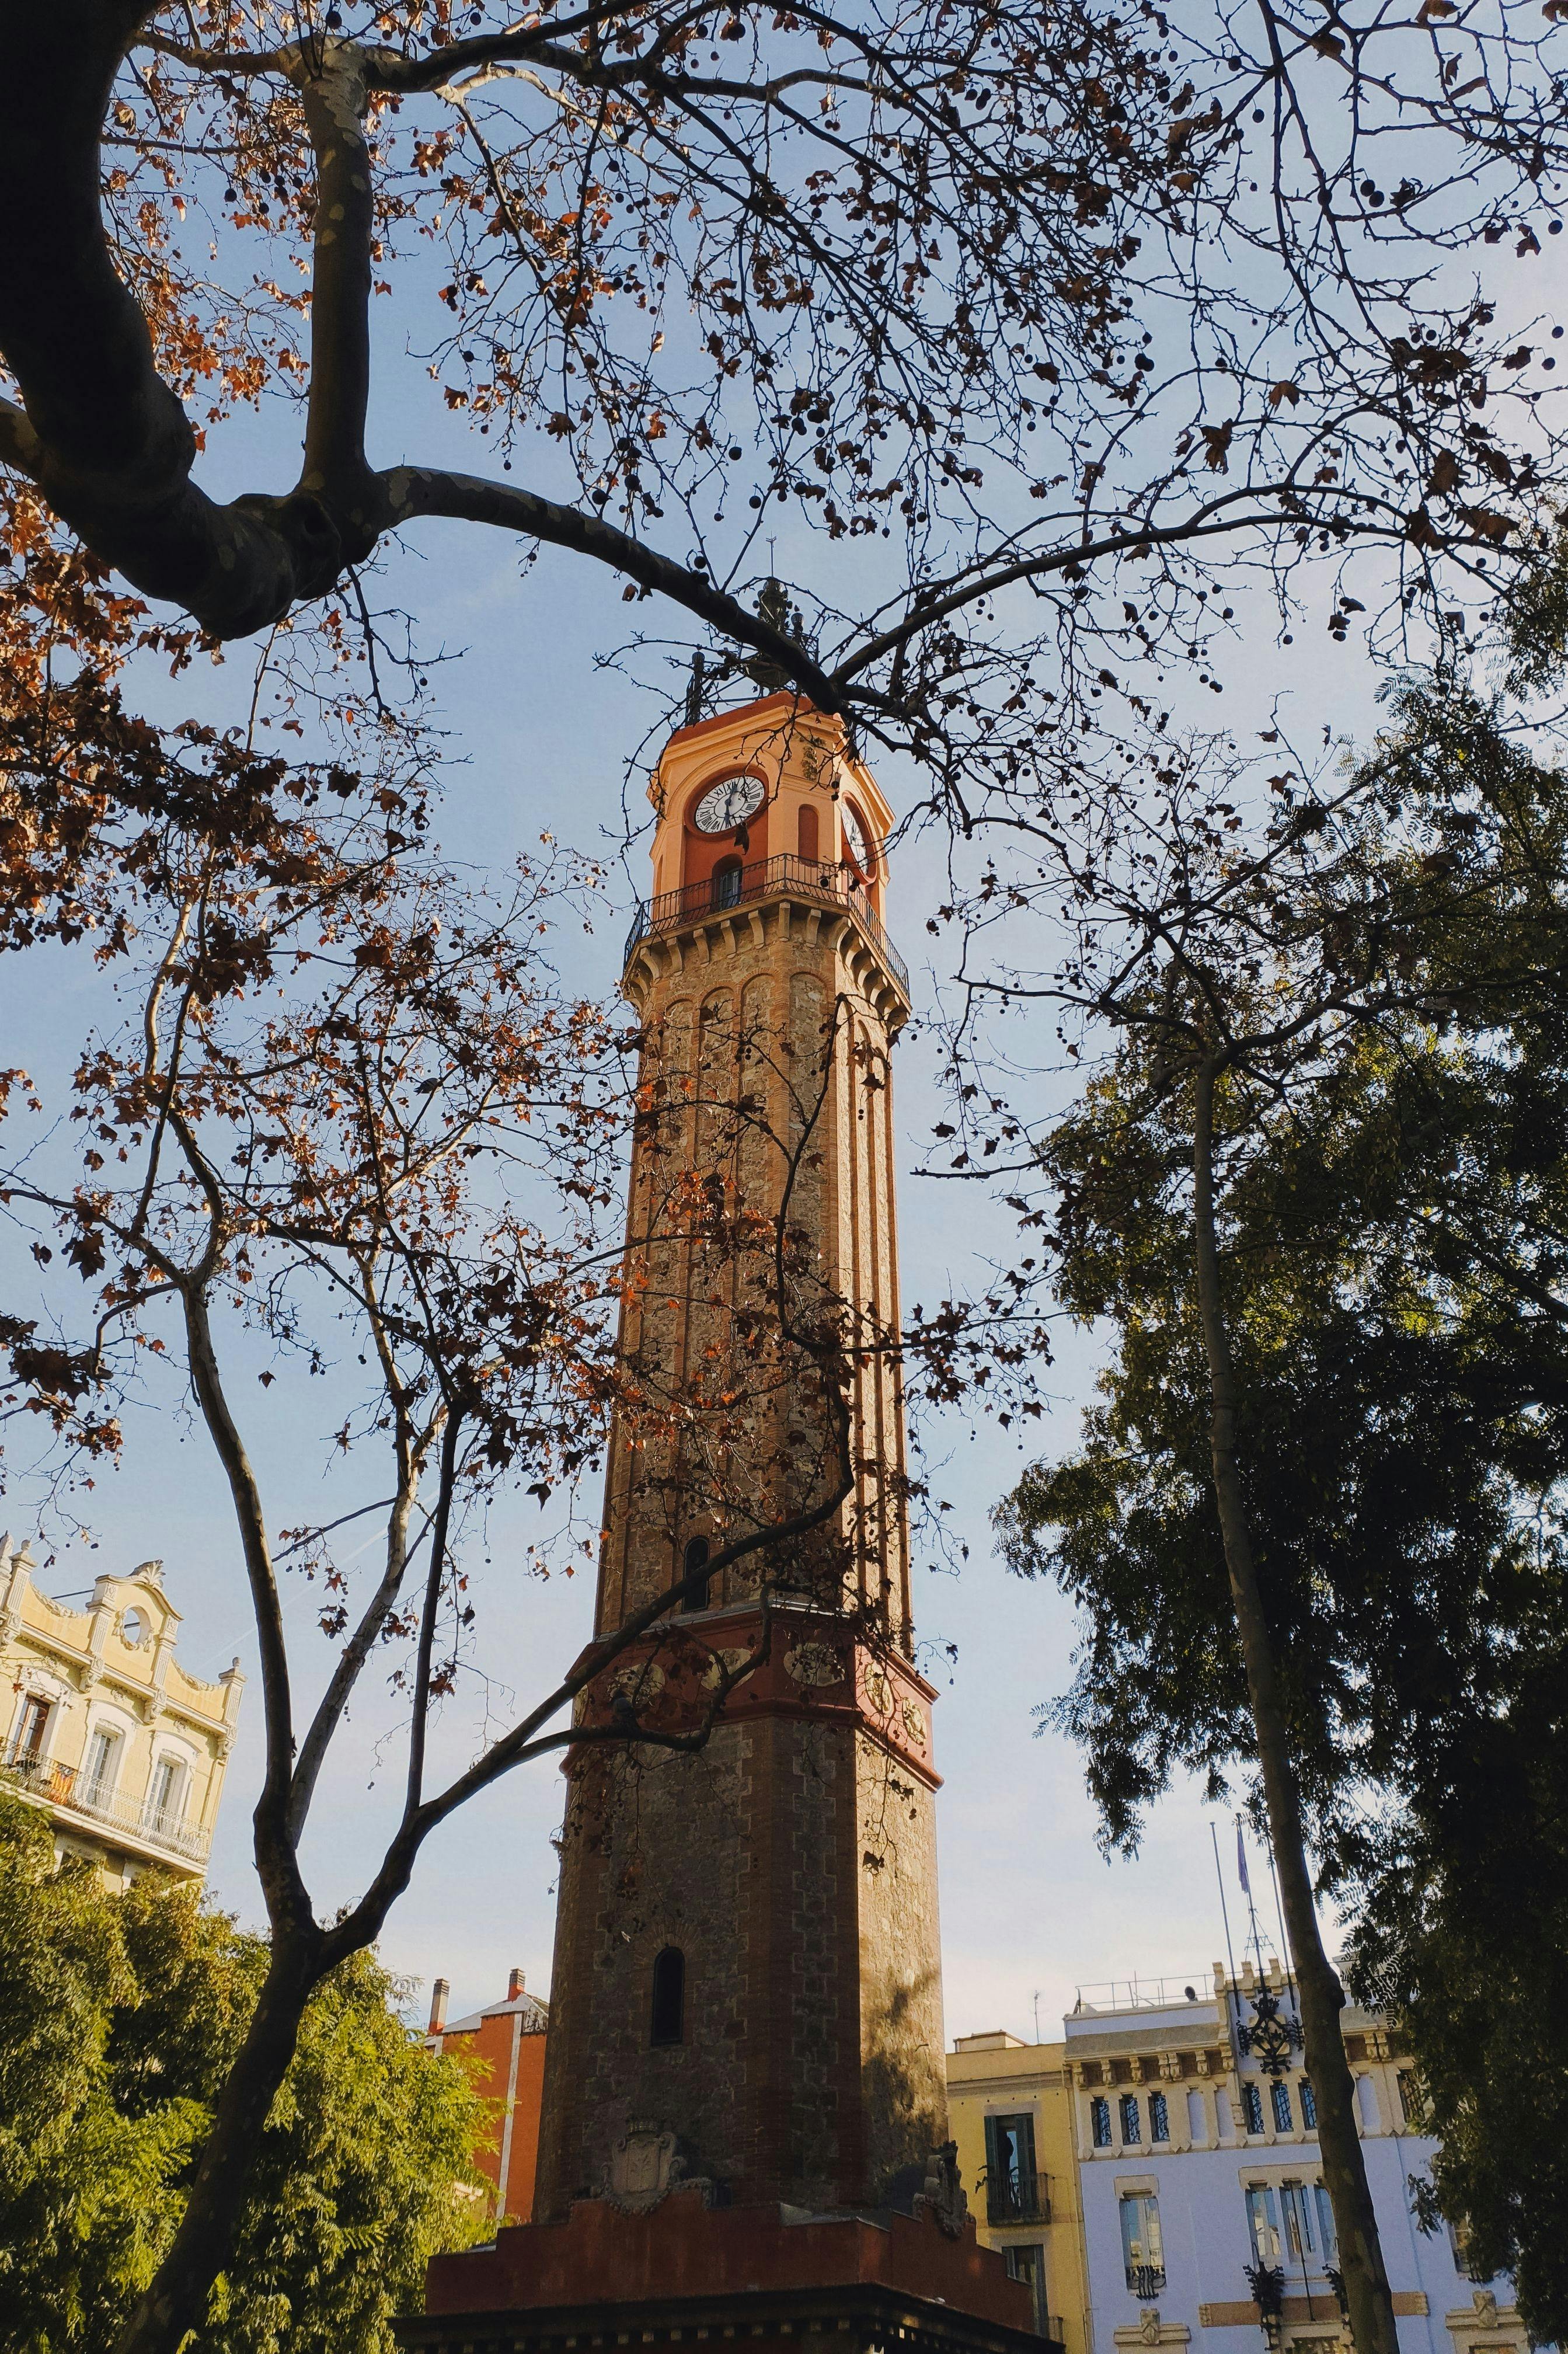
(694, 688)
(772, 606)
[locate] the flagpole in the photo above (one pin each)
(1245, 1878)
(1225, 1917)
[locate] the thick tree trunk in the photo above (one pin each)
(176, 2300)
(1344, 2168)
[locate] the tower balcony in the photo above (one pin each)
(786, 876)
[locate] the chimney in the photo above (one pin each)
(439, 1994)
(515, 1986)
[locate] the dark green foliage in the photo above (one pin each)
(120, 2017)
(1395, 1254)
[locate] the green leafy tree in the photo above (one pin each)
(119, 2019)
(1313, 1193)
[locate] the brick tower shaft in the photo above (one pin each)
(746, 1989)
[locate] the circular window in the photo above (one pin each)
(728, 804)
(133, 1626)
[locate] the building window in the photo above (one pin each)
(32, 1727)
(1309, 2106)
(806, 834)
(1011, 2184)
(1279, 2094)
(1099, 2121)
(1252, 2108)
(726, 882)
(694, 1557)
(1327, 2238)
(1029, 2265)
(668, 2020)
(1297, 2208)
(1412, 2101)
(1159, 2118)
(1263, 2220)
(1131, 2124)
(1459, 2241)
(102, 1764)
(1143, 2250)
(165, 1794)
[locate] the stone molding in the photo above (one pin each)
(1484, 2325)
(1151, 2330)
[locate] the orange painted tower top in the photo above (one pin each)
(761, 800)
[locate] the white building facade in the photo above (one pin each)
(1196, 2165)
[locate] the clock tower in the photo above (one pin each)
(745, 2102)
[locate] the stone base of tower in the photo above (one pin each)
(688, 2272)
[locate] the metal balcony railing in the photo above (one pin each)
(1145, 2281)
(60, 1785)
(766, 878)
(1017, 2199)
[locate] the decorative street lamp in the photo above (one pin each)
(1267, 2285)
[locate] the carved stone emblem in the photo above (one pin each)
(643, 2166)
(1486, 2305)
(814, 1663)
(724, 1663)
(879, 1692)
(944, 2198)
(1149, 2325)
(914, 1724)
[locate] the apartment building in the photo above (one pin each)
(117, 1743)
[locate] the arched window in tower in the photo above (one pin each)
(859, 846)
(667, 2022)
(695, 1557)
(726, 882)
(807, 836)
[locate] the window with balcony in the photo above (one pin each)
(1012, 2183)
(726, 882)
(1411, 2100)
(1309, 2106)
(1142, 2248)
(1159, 2118)
(1252, 2108)
(102, 1766)
(31, 1727)
(166, 1795)
(1099, 2121)
(1279, 2094)
(1131, 2124)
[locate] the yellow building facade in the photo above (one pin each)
(105, 1731)
(1010, 2109)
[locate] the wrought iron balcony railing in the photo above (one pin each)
(766, 878)
(61, 1786)
(1017, 2199)
(1145, 2281)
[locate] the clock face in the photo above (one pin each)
(728, 804)
(855, 841)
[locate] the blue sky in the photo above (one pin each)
(1029, 1906)
(1031, 1909)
